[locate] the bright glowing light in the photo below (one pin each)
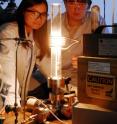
(56, 41)
(56, 63)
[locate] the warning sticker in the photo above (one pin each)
(108, 47)
(99, 67)
(100, 86)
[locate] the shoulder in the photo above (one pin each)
(9, 29)
(8, 25)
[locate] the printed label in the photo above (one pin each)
(99, 67)
(107, 47)
(100, 86)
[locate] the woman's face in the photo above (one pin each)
(76, 10)
(35, 16)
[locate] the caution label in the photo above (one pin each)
(100, 86)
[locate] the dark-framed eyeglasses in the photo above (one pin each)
(76, 3)
(80, 1)
(37, 14)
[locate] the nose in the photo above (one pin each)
(77, 7)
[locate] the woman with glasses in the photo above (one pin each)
(18, 49)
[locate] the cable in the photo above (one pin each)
(20, 40)
(76, 41)
(29, 119)
(15, 104)
(64, 39)
(41, 102)
(25, 84)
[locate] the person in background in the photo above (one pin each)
(96, 19)
(76, 21)
(18, 49)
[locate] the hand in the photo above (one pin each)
(2, 111)
(6, 117)
(74, 62)
(2, 114)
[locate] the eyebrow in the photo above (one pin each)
(35, 11)
(83, 1)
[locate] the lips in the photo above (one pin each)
(37, 25)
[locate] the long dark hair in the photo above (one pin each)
(42, 40)
(41, 37)
(24, 5)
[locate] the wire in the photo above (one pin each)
(76, 41)
(29, 119)
(15, 104)
(41, 102)
(64, 39)
(25, 85)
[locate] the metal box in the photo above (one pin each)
(97, 81)
(92, 114)
(101, 45)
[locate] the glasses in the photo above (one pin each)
(78, 4)
(80, 1)
(37, 14)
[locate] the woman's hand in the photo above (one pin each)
(2, 114)
(2, 111)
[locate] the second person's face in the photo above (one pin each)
(76, 10)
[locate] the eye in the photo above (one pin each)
(36, 14)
